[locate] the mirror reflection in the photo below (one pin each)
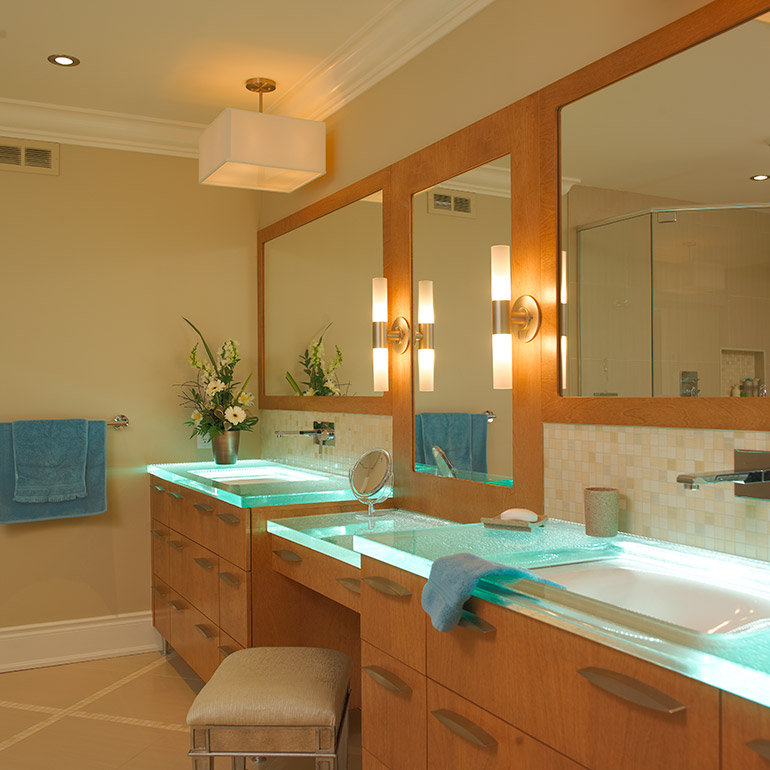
(318, 281)
(463, 425)
(666, 234)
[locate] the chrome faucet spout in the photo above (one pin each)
(693, 480)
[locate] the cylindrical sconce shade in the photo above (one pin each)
(501, 273)
(426, 366)
(563, 281)
(563, 319)
(380, 334)
(425, 314)
(502, 339)
(426, 355)
(502, 363)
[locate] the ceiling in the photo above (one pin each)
(694, 127)
(166, 68)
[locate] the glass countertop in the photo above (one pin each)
(256, 483)
(332, 534)
(484, 478)
(666, 611)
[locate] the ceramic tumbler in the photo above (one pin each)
(601, 511)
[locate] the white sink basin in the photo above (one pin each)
(709, 598)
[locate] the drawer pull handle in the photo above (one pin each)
(176, 545)
(229, 579)
(158, 533)
(226, 650)
(158, 591)
(204, 631)
(175, 495)
(761, 746)
(386, 586)
(475, 623)
(176, 606)
(229, 518)
(287, 555)
(352, 584)
(387, 679)
(463, 727)
(159, 488)
(631, 690)
(204, 508)
(205, 563)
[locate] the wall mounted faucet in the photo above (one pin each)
(322, 434)
(752, 470)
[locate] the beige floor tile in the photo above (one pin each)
(159, 698)
(13, 721)
(125, 664)
(58, 686)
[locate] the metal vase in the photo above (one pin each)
(225, 447)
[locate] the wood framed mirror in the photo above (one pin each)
(691, 37)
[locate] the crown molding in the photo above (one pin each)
(403, 29)
(484, 180)
(95, 128)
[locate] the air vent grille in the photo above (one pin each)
(29, 156)
(451, 203)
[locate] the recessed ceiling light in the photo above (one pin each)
(760, 177)
(63, 60)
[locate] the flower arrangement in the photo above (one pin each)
(218, 403)
(321, 377)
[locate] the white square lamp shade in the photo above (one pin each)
(257, 151)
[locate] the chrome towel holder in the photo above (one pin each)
(119, 421)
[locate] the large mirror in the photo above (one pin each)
(462, 427)
(664, 233)
(317, 287)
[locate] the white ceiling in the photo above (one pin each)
(153, 72)
(694, 127)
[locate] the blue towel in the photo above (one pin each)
(452, 580)
(49, 458)
(462, 436)
(95, 501)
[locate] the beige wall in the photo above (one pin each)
(99, 266)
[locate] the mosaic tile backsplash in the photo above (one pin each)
(643, 464)
(354, 435)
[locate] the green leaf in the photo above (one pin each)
(205, 345)
(293, 383)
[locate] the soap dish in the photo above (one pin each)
(515, 524)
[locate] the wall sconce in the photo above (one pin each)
(397, 337)
(563, 319)
(426, 354)
(525, 314)
(254, 151)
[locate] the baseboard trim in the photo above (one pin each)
(72, 641)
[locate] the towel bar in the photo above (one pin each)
(119, 421)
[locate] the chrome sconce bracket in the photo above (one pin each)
(398, 337)
(424, 336)
(525, 314)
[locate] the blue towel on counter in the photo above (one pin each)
(452, 580)
(49, 458)
(93, 503)
(462, 436)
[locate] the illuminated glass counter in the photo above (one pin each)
(735, 658)
(256, 483)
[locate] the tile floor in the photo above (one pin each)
(115, 714)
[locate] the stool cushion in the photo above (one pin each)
(275, 686)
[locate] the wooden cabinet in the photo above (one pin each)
(745, 734)
(201, 574)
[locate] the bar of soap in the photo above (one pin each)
(519, 514)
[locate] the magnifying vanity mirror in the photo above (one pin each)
(370, 480)
(664, 231)
(462, 421)
(317, 286)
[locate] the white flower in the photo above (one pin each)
(234, 414)
(214, 386)
(247, 399)
(196, 416)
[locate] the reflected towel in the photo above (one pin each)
(95, 501)
(452, 580)
(461, 435)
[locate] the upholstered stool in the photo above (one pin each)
(273, 702)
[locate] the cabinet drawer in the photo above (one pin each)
(323, 574)
(745, 734)
(575, 678)
(234, 586)
(233, 533)
(227, 645)
(199, 582)
(159, 535)
(161, 594)
(462, 735)
(194, 637)
(192, 514)
(391, 615)
(370, 762)
(392, 710)
(159, 501)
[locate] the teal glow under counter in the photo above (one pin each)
(736, 661)
(256, 483)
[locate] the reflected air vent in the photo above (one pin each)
(28, 156)
(451, 203)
